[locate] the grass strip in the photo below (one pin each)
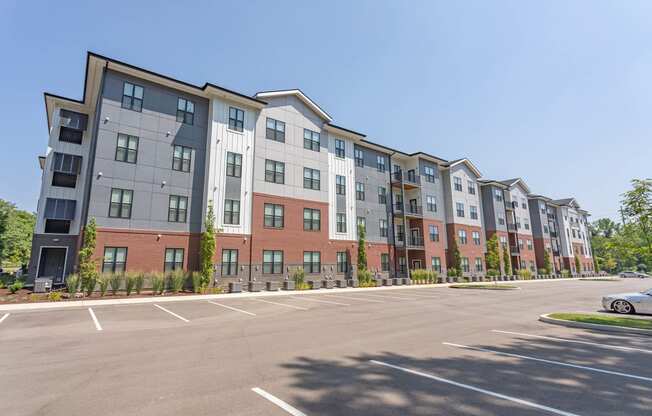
(604, 320)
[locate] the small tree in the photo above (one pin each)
(456, 258)
(362, 250)
(87, 264)
(547, 264)
(577, 264)
(507, 261)
(207, 248)
(493, 253)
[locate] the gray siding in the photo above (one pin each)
(151, 178)
(491, 208)
(370, 208)
(435, 189)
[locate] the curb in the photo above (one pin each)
(165, 299)
(609, 328)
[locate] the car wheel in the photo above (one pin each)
(622, 306)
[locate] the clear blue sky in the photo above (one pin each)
(556, 92)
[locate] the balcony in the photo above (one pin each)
(511, 228)
(411, 180)
(398, 207)
(400, 237)
(555, 253)
(514, 251)
(553, 234)
(414, 210)
(415, 242)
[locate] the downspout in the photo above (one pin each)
(251, 211)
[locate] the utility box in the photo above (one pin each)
(42, 285)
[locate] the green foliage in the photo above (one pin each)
(525, 274)
(72, 284)
(88, 265)
(196, 278)
(207, 250)
(455, 257)
(89, 285)
(176, 280)
(140, 282)
(16, 228)
(493, 253)
(452, 272)
(15, 286)
(547, 264)
(424, 275)
(565, 273)
(492, 272)
(365, 278)
(507, 261)
(158, 283)
(299, 277)
(54, 296)
(103, 283)
(577, 264)
(362, 249)
(115, 281)
(130, 282)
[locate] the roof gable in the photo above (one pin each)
(301, 96)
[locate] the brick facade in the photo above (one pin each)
(468, 250)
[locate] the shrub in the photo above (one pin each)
(525, 274)
(130, 283)
(423, 275)
(15, 286)
(299, 277)
(90, 282)
(492, 272)
(54, 296)
(72, 284)
(115, 280)
(365, 278)
(2, 284)
(140, 282)
(452, 272)
(176, 280)
(34, 297)
(565, 273)
(158, 283)
(197, 279)
(103, 283)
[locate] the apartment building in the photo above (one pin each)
(545, 230)
(146, 155)
(574, 235)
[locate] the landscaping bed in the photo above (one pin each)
(484, 287)
(615, 321)
(600, 279)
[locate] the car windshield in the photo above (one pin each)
(648, 292)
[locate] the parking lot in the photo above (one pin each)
(407, 351)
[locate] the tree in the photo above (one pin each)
(637, 207)
(207, 248)
(577, 264)
(16, 230)
(87, 264)
(456, 258)
(493, 254)
(362, 250)
(547, 264)
(507, 261)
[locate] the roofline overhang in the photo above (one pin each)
(303, 97)
(468, 163)
(351, 134)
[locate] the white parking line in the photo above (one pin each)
(280, 403)
(321, 301)
(541, 360)
(97, 323)
(477, 389)
(386, 297)
(355, 298)
(5, 316)
(171, 313)
(232, 308)
(283, 304)
(595, 344)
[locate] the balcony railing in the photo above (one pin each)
(553, 234)
(511, 227)
(400, 237)
(414, 210)
(409, 179)
(514, 250)
(398, 207)
(415, 241)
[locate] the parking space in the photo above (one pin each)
(408, 351)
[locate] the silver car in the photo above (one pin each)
(639, 275)
(636, 302)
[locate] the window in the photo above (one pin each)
(361, 222)
(433, 231)
(231, 211)
(115, 260)
(342, 262)
(545, 228)
(465, 265)
(272, 261)
(458, 183)
(132, 97)
(382, 195)
(173, 259)
(526, 224)
(384, 262)
(473, 212)
(275, 130)
(380, 163)
(431, 203)
(476, 237)
(359, 191)
(518, 223)
(339, 148)
(471, 187)
(273, 215)
(429, 173)
(503, 241)
(520, 244)
(523, 204)
(529, 244)
(462, 235)
(498, 194)
(121, 200)
(359, 157)
(181, 158)
(58, 215)
(185, 111)
(127, 148)
(402, 265)
(311, 219)
(340, 220)
(479, 267)
(66, 168)
(460, 209)
(501, 219)
(340, 185)
(400, 232)
(274, 171)
(311, 179)
(310, 140)
(177, 208)
(229, 262)
(68, 135)
(233, 164)
(311, 261)
(236, 119)
(436, 264)
(383, 228)
(532, 268)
